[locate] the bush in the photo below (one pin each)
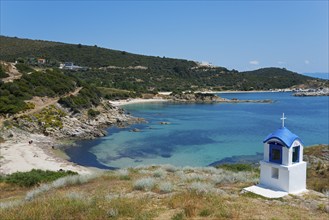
(236, 167)
(205, 213)
(123, 174)
(61, 182)
(93, 113)
(3, 74)
(170, 168)
(23, 68)
(160, 173)
(145, 184)
(201, 188)
(166, 187)
(34, 177)
(230, 177)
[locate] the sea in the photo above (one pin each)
(205, 134)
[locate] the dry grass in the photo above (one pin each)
(318, 167)
(112, 197)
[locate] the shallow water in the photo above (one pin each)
(200, 134)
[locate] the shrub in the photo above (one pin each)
(169, 168)
(73, 180)
(34, 193)
(34, 177)
(145, 184)
(23, 68)
(201, 188)
(178, 216)
(159, 173)
(211, 170)
(166, 187)
(191, 176)
(3, 74)
(10, 204)
(205, 213)
(64, 181)
(145, 171)
(75, 196)
(123, 174)
(236, 167)
(93, 113)
(112, 213)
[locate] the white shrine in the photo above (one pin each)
(282, 169)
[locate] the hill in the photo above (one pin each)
(140, 73)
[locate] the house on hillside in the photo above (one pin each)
(71, 66)
(41, 61)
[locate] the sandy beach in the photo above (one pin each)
(136, 101)
(19, 155)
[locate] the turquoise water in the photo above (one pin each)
(200, 134)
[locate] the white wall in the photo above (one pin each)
(297, 181)
(266, 152)
(266, 179)
(292, 179)
(286, 156)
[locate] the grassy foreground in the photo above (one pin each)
(157, 192)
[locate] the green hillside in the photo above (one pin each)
(90, 56)
(139, 73)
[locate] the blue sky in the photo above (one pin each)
(243, 35)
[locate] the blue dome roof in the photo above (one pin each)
(284, 135)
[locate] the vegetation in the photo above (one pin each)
(23, 68)
(112, 93)
(49, 117)
(34, 177)
(140, 74)
(318, 167)
(49, 83)
(117, 75)
(3, 74)
(237, 167)
(110, 196)
(88, 97)
(93, 113)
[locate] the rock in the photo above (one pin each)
(164, 123)
(135, 130)
(209, 98)
(312, 92)
(79, 126)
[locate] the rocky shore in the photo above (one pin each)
(58, 122)
(313, 92)
(208, 98)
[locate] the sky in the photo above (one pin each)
(241, 35)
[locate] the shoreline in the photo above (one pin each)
(16, 154)
(137, 101)
(20, 156)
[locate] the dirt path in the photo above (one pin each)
(40, 103)
(11, 71)
(48, 102)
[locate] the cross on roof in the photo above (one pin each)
(283, 118)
